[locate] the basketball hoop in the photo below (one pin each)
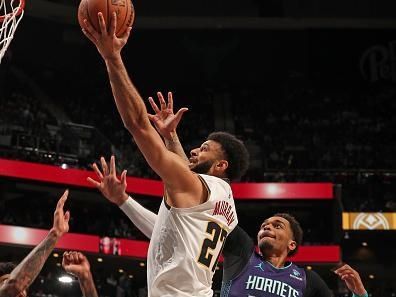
(11, 13)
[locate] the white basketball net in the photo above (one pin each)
(11, 13)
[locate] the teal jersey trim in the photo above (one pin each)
(364, 295)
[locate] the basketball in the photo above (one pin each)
(88, 9)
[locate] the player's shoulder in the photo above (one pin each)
(313, 277)
(215, 182)
(316, 286)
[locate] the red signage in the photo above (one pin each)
(78, 177)
(32, 237)
(135, 248)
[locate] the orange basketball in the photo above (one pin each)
(124, 9)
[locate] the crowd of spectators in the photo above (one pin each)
(312, 128)
(303, 129)
(307, 133)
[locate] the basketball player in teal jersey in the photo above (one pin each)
(198, 210)
(246, 272)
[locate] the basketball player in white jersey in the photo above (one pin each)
(239, 254)
(197, 212)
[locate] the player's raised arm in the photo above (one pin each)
(25, 273)
(114, 189)
(184, 187)
(166, 122)
(77, 264)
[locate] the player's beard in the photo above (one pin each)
(264, 246)
(203, 168)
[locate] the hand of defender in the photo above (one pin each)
(165, 120)
(110, 186)
(106, 41)
(351, 278)
(76, 263)
(61, 219)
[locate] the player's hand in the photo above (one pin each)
(165, 120)
(77, 264)
(351, 278)
(106, 41)
(109, 184)
(61, 219)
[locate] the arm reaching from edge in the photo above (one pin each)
(25, 273)
(185, 188)
(77, 264)
(114, 190)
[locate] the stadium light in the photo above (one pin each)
(65, 279)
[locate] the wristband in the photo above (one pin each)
(364, 295)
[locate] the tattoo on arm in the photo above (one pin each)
(25, 273)
(175, 146)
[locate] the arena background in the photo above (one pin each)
(310, 86)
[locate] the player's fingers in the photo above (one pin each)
(105, 168)
(340, 269)
(345, 266)
(67, 216)
(348, 271)
(64, 260)
(89, 36)
(170, 100)
(127, 33)
(69, 256)
(62, 200)
(112, 166)
(180, 113)
(113, 24)
(347, 277)
(102, 23)
(161, 100)
(123, 177)
(97, 171)
(151, 117)
(64, 257)
(93, 182)
(343, 270)
(153, 105)
(80, 257)
(74, 256)
(90, 29)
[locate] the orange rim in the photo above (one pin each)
(21, 8)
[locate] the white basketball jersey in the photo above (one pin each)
(186, 243)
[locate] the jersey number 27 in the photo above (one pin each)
(217, 235)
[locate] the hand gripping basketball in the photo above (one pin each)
(107, 43)
(124, 10)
